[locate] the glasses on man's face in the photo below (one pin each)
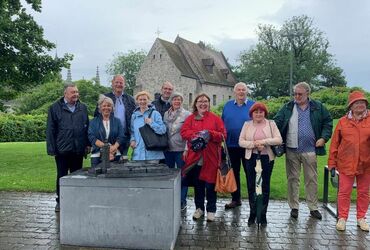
(298, 94)
(202, 102)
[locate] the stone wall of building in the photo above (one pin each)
(158, 68)
(217, 93)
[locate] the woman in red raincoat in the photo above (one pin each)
(349, 154)
(203, 131)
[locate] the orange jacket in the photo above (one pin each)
(350, 146)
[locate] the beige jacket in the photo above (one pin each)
(247, 134)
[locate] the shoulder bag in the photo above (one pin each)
(153, 141)
(278, 150)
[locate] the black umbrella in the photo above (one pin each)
(258, 197)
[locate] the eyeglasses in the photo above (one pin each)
(202, 102)
(298, 94)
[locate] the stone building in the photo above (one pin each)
(191, 67)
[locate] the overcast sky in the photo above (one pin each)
(94, 30)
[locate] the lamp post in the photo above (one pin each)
(290, 35)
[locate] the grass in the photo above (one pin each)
(25, 166)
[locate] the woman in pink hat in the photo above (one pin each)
(349, 154)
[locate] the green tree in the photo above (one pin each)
(266, 66)
(24, 60)
(38, 100)
(127, 64)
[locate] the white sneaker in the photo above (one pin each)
(341, 224)
(210, 216)
(197, 214)
(363, 224)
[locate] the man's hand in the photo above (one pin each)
(320, 142)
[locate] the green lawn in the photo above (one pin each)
(25, 166)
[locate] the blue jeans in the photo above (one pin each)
(174, 159)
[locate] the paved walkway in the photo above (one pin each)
(28, 221)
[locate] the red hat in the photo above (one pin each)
(256, 106)
(356, 96)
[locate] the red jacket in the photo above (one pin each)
(212, 153)
(350, 146)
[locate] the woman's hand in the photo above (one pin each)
(185, 154)
(148, 120)
(133, 144)
(99, 143)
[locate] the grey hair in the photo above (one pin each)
(103, 98)
(176, 94)
(303, 85)
(241, 84)
(69, 85)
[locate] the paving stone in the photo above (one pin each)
(28, 221)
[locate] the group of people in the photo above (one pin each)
(195, 143)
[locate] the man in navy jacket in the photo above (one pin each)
(66, 133)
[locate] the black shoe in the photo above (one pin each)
(263, 221)
(251, 220)
(233, 204)
(294, 213)
(316, 214)
(57, 208)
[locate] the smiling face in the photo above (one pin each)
(142, 100)
(167, 90)
(240, 93)
(202, 105)
(105, 108)
(300, 96)
(258, 115)
(359, 107)
(176, 102)
(71, 95)
(118, 85)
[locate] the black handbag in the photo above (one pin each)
(153, 141)
(278, 150)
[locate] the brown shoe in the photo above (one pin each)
(233, 204)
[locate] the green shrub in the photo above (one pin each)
(26, 128)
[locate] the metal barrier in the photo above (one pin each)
(325, 199)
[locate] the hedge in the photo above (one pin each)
(26, 128)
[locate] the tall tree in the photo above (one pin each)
(24, 60)
(127, 64)
(266, 66)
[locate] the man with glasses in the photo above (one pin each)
(305, 125)
(162, 103)
(234, 115)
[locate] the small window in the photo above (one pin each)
(160, 56)
(190, 99)
(229, 97)
(214, 100)
(153, 56)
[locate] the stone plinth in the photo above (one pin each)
(135, 213)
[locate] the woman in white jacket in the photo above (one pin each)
(257, 137)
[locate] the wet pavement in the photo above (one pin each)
(28, 221)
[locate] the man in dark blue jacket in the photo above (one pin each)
(66, 133)
(124, 106)
(162, 103)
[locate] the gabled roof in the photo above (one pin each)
(178, 58)
(193, 59)
(199, 57)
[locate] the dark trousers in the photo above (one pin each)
(174, 159)
(65, 163)
(204, 190)
(237, 157)
(267, 167)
